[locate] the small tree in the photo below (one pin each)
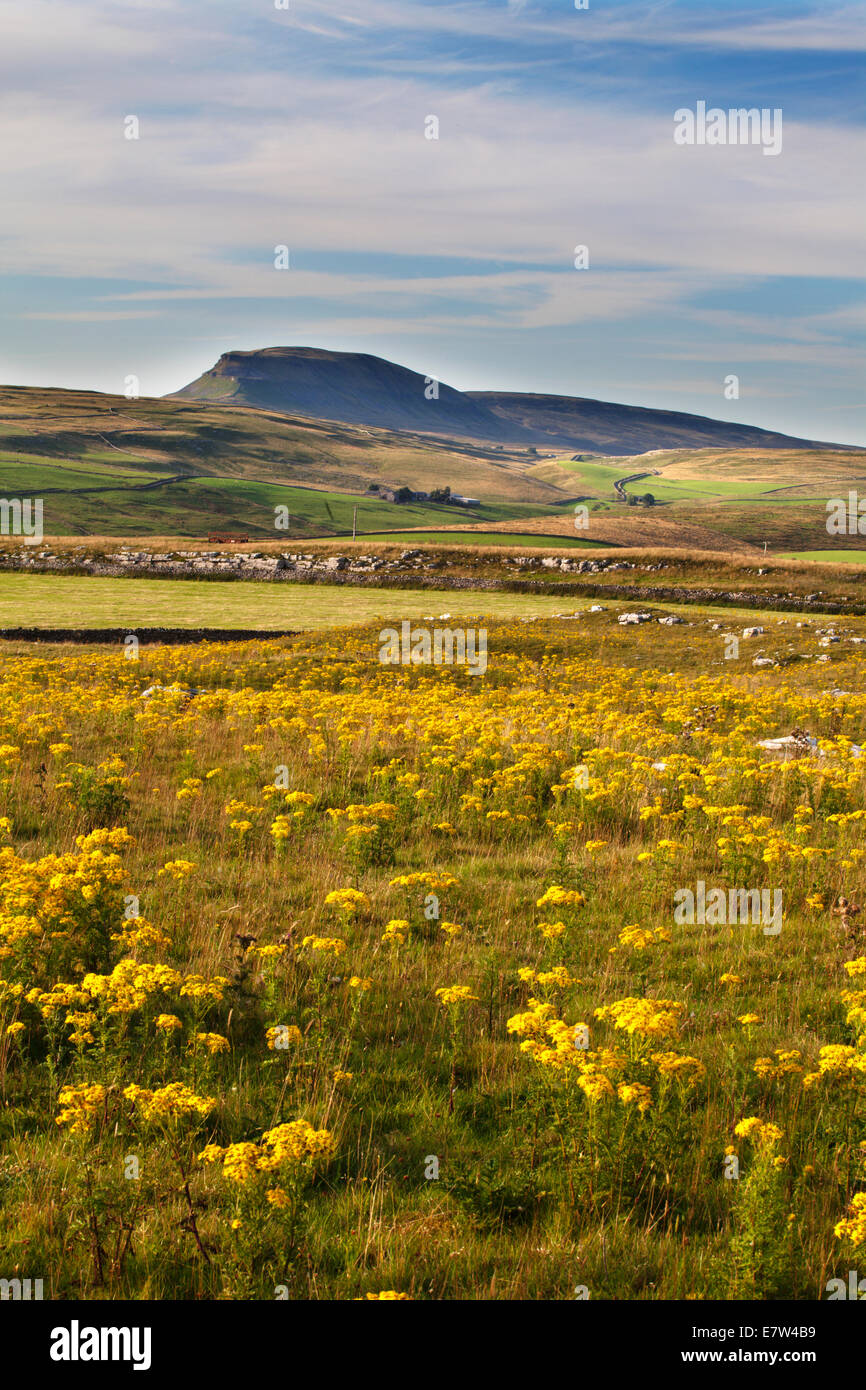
(648, 499)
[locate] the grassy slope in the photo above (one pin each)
(89, 432)
(621, 526)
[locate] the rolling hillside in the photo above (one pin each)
(105, 465)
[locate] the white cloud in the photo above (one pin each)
(333, 171)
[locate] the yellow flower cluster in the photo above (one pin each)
(852, 1228)
(455, 994)
(348, 900)
(296, 1144)
(328, 945)
(555, 896)
(759, 1132)
(647, 1018)
(436, 883)
(80, 1106)
(168, 1103)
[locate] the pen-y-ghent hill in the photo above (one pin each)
(361, 389)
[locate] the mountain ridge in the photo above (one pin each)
(363, 389)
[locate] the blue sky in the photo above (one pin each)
(305, 126)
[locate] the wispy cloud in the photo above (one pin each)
(785, 28)
(90, 315)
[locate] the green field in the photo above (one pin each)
(48, 600)
(510, 538)
(195, 506)
(596, 477)
(835, 557)
(37, 600)
(37, 474)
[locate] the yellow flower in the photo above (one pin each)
(168, 1023)
(278, 1197)
(81, 1106)
(758, 1131)
(650, 1018)
(435, 882)
(635, 1094)
(551, 930)
(561, 897)
(280, 1034)
(853, 1228)
(213, 1042)
(348, 900)
(178, 869)
(288, 1146)
(595, 1086)
(455, 994)
(641, 938)
(328, 945)
(558, 977)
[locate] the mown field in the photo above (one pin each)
(37, 600)
(323, 979)
(845, 557)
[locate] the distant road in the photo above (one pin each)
(619, 484)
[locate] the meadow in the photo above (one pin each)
(37, 600)
(321, 979)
